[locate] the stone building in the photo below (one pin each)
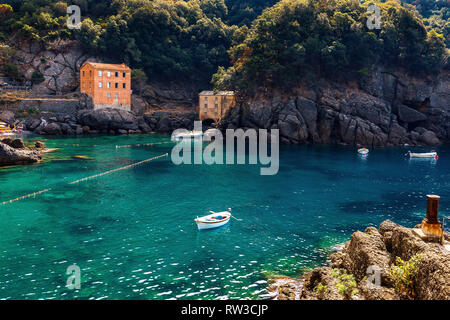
(214, 105)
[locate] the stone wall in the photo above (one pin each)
(69, 107)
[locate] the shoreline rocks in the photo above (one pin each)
(384, 109)
(378, 251)
(13, 152)
(109, 121)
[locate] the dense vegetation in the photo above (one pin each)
(299, 39)
(436, 14)
(249, 43)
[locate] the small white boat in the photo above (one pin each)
(187, 135)
(422, 155)
(213, 220)
(363, 151)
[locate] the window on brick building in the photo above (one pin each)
(100, 73)
(100, 84)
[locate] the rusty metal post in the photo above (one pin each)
(431, 225)
(432, 209)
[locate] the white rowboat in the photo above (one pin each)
(422, 155)
(363, 151)
(213, 220)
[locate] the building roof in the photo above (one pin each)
(217, 93)
(108, 66)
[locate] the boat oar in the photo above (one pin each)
(235, 218)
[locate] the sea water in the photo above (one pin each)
(132, 232)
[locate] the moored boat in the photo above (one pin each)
(213, 220)
(431, 155)
(187, 135)
(363, 151)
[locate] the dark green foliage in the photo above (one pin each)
(11, 71)
(254, 42)
(138, 78)
(297, 38)
(37, 77)
(243, 12)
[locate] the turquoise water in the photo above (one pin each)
(132, 232)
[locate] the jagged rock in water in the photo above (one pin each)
(40, 145)
(12, 156)
(17, 144)
(381, 248)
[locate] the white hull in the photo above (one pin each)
(423, 155)
(204, 226)
(208, 222)
(188, 136)
(363, 151)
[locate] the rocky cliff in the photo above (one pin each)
(386, 108)
(100, 121)
(408, 268)
(381, 109)
(59, 63)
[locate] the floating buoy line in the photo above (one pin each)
(34, 194)
(142, 144)
(117, 146)
(118, 169)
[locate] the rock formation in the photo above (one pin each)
(346, 277)
(383, 109)
(13, 152)
(387, 107)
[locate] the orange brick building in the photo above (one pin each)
(109, 85)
